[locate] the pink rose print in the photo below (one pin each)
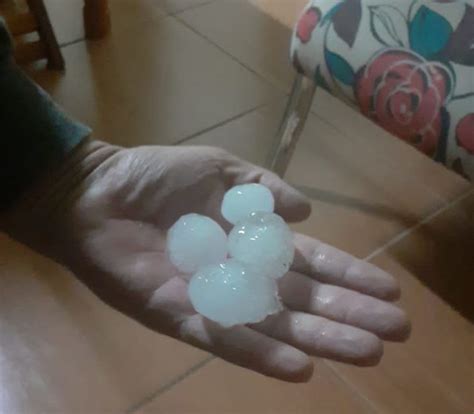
(307, 24)
(465, 133)
(404, 94)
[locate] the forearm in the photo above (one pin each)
(35, 135)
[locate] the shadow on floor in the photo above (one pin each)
(378, 210)
(439, 253)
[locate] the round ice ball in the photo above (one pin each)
(242, 200)
(195, 241)
(264, 242)
(231, 294)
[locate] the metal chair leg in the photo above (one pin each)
(292, 125)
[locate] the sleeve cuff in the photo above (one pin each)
(34, 132)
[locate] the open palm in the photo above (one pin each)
(109, 227)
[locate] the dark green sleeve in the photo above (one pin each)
(34, 133)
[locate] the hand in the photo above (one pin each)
(104, 214)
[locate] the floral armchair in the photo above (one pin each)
(408, 65)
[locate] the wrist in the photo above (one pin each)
(36, 133)
(35, 217)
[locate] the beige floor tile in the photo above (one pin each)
(263, 46)
(361, 197)
(401, 384)
(178, 83)
(175, 6)
(357, 203)
(434, 371)
(284, 11)
(250, 137)
(90, 90)
(153, 84)
(132, 13)
(383, 145)
(66, 16)
(220, 388)
(263, 43)
(63, 351)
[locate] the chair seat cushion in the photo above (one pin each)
(407, 65)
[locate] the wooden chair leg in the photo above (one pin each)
(292, 124)
(48, 39)
(96, 18)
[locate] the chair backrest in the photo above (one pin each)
(407, 65)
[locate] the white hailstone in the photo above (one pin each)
(240, 201)
(195, 241)
(264, 242)
(231, 294)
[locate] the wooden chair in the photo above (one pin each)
(26, 17)
(23, 21)
(96, 18)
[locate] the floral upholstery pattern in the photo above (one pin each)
(407, 65)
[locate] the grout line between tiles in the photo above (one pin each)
(410, 230)
(176, 12)
(327, 122)
(221, 123)
(249, 68)
(163, 14)
(72, 42)
(169, 385)
(316, 114)
(379, 250)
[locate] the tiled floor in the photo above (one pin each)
(216, 73)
